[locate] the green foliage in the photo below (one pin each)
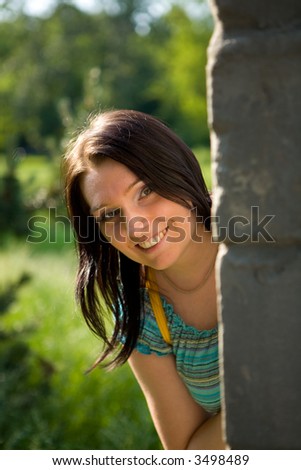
(203, 156)
(27, 184)
(56, 70)
(13, 211)
(25, 382)
(47, 402)
(179, 86)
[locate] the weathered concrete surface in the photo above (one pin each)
(254, 108)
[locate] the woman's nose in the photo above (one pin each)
(138, 229)
(137, 226)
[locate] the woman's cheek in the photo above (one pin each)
(113, 232)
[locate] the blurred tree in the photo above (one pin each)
(179, 86)
(57, 69)
(48, 64)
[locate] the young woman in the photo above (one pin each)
(141, 213)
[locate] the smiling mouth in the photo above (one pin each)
(152, 241)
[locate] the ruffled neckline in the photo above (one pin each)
(176, 321)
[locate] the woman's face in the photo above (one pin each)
(144, 226)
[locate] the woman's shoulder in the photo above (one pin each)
(150, 339)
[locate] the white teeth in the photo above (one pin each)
(161, 234)
(153, 241)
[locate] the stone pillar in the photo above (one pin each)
(254, 108)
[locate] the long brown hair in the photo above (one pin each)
(108, 281)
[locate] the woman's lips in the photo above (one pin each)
(152, 241)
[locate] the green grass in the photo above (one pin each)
(101, 410)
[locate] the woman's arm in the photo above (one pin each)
(208, 436)
(180, 422)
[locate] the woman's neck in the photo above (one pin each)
(194, 268)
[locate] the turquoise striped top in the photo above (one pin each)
(195, 351)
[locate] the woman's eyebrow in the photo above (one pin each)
(104, 204)
(136, 181)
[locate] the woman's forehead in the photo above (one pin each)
(106, 183)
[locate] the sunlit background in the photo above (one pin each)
(60, 61)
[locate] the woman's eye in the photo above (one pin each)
(146, 191)
(109, 215)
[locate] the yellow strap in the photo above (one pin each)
(156, 304)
